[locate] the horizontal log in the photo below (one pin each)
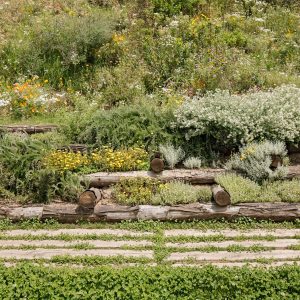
(202, 176)
(67, 213)
(199, 211)
(30, 129)
(71, 213)
(17, 213)
(205, 176)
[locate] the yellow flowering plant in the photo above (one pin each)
(105, 159)
(120, 160)
(65, 161)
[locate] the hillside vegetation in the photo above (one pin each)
(130, 77)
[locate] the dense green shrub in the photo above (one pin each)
(174, 7)
(240, 189)
(233, 120)
(23, 173)
(287, 191)
(155, 283)
(126, 126)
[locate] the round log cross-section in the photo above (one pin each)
(89, 198)
(157, 165)
(221, 197)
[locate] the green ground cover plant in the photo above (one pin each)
(134, 191)
(40, 282)
(242, 189)
(243, 223)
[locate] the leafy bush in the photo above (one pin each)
(23, 173)
(254, 161)
(192, 163)
(232, 120)
(156, 283)
(123, 127)
(174, 7)
(19, 155)
(171, 155)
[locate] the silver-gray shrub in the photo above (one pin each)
(192, 163)
(171, 155)
(240, 119)
(254, 161)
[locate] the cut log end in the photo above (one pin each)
(221, 197)
(157, 165)
(277, 161)
(89, 198)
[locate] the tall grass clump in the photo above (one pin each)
(58, 48)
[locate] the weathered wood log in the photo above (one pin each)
(199, 176)
(30, 129)
(71, 213)
(205, 176)
(221, 197)
(75, 148)
(67, 213)
(294, 172)
(17, 213)
(89, 198)
(199, 211)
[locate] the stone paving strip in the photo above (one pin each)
(41, 253)
(278, 244)
(235, 256)
(116, 232)
(233, 233)
(69, 244)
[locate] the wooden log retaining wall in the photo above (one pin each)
(70, 213)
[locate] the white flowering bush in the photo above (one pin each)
(233, 120)
(254, 161)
